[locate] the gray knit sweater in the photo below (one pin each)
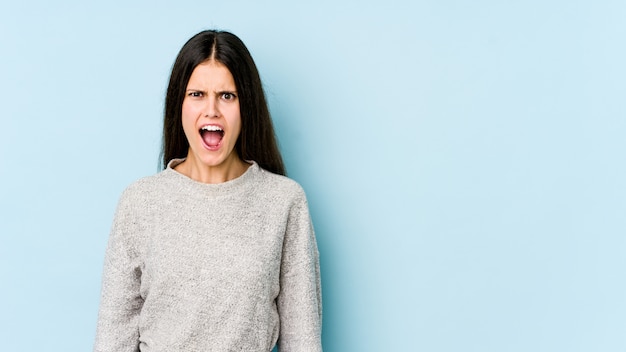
(211, 267)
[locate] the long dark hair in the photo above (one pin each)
(257, 140)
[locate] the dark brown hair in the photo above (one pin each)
(257, 140)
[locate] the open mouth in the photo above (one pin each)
(212, 135)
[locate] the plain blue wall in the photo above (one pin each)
(464, 161)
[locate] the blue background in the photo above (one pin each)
(464, 161)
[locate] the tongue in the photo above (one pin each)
(212, 138)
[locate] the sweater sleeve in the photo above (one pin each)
(120, 302)
(300, 300)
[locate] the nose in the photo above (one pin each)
(211, 108)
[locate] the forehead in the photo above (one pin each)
(211, 74)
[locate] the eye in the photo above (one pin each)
(229, 96)
(194, 94)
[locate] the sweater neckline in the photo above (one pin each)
(212, 188)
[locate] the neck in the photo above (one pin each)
(195, 169)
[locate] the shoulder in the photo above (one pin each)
(281, 186)
(281, 196)
(145, 188)
(142, 185)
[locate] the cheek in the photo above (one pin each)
(237, 124)
(188, 116)
(233, 118)
(186, 111)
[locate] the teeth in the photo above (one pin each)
(211, 128)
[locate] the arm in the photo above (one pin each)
(120, 302)
(300, 299)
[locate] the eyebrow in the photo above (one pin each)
(234, 91)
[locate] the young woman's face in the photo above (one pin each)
(210, 115)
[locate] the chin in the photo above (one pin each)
(217, 160)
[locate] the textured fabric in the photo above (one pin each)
(211, 267)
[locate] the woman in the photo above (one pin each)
(217, 251)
